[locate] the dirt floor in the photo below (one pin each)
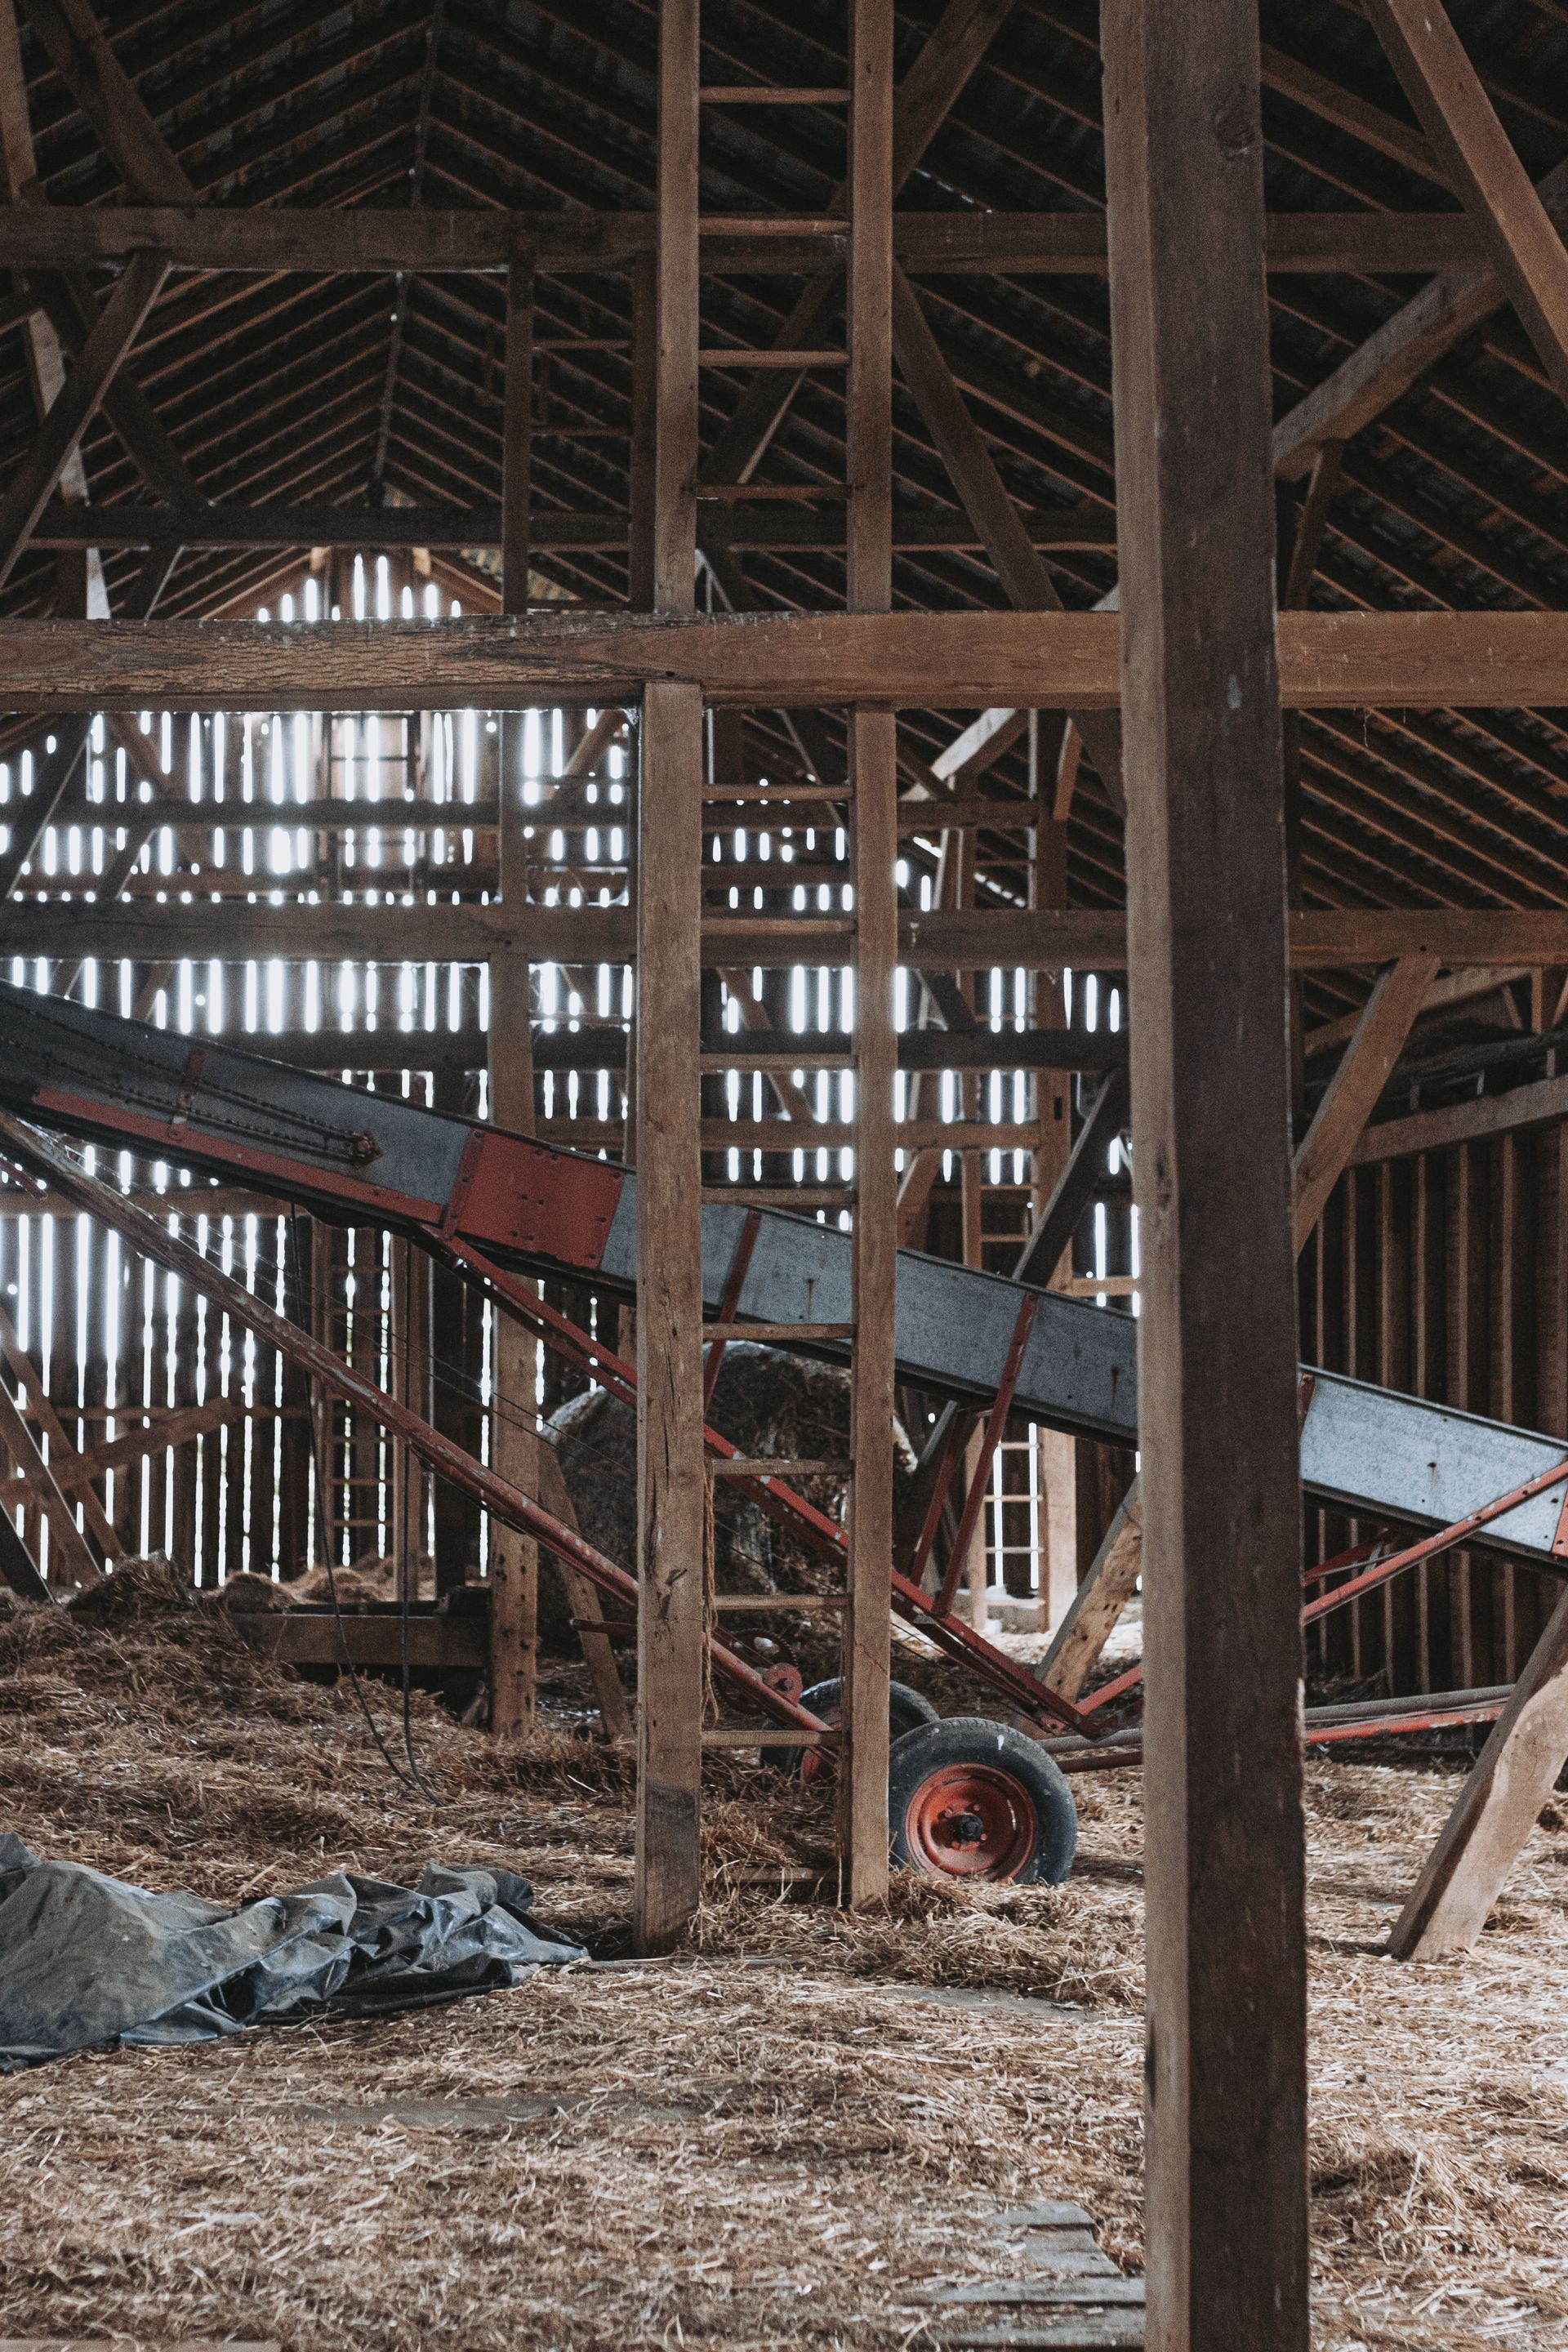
(783, 2140)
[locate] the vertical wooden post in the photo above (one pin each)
(671, 1471)
(514, 1442)
(514, 1557)
(866, 1655)
(517, 433)
(1226, 2050)
(1057, 1453)
(644, 380)
(672, 1479)
(675, 450)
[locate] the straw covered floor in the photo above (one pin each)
(782, 2138)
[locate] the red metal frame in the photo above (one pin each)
(495, 1494)
(960, 1430)
(1384, 1566)
(995, 1422)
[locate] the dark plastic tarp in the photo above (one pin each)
(86, 1959)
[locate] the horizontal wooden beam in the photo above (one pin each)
(956, 661)
(737, 532)
(1029, 938)
(1540, 1104)
(1455, 989)
(314, 1637)
(375, 242)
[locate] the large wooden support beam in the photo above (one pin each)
(1098, 1602)
(942, 940)
(672, 1471)
(1485, 1834)
(1049, 661)
(1227, 1969)
(552, 529)
(874, 780)
(80, 397)
(1445, 92)
(866, 1635)
(1351, 1098)
(376, 241)
(675, 436)
(672, 1468)
(516, 1448)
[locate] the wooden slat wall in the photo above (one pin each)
(1445, 1274)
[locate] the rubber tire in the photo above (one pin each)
(906, 1711)
(960, 1739)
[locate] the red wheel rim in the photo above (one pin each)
(817, 1762)
(971, 1820)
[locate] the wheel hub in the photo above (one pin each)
(971, 1820)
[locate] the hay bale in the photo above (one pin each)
(766, 1401)
(248, 1594)
(372, 1579)
(134, 1588)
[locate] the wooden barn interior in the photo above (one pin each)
(742, 1045)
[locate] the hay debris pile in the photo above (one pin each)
(777, 2142)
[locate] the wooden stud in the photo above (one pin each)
(873, 762)
(1484, 1835)
(1103, 1594)
(1352, 1093)
(643, 455)
(517, 433)
(929, 91)
(867, 1625)
(1226, 1968)
(672, 1484)
(515, 1444)
(674, 406)
(71, 1558)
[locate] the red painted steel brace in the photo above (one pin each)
(995, 1422)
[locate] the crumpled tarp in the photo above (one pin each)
(86, 1959)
